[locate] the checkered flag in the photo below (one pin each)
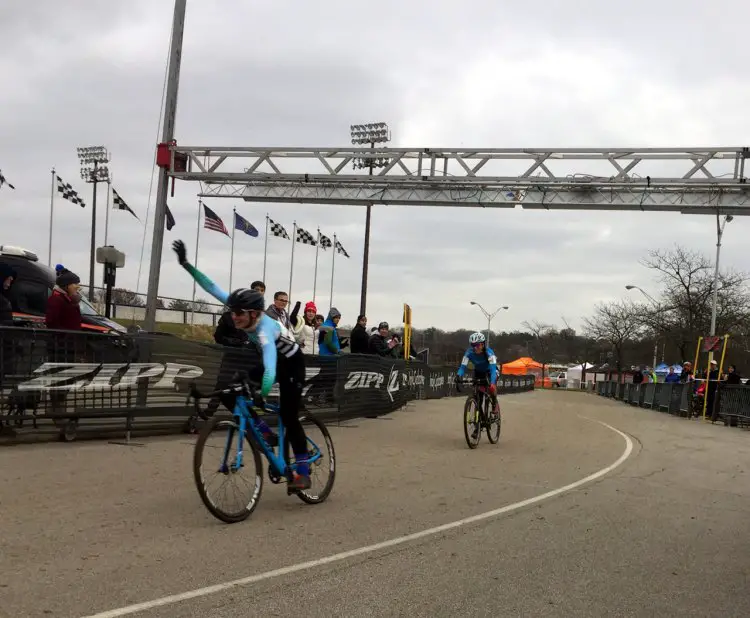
(119, 204)
(277, 229)
(340, 249)
(325, 242)
(305, 237)
(68, 192)
(3, 181)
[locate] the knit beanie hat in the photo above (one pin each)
(311, 307)
(66, 278)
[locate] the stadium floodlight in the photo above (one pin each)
(371, 133)
(94, 169)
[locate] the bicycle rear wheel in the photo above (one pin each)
(494, 421)
(320, 450)
(472, 427)
(216, 450)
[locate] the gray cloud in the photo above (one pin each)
(441, 75)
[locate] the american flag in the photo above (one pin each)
(305, 237)
(340, 249)
(325, 242)
(68, 192)
(213, 222)
(277, 229)
(119, 204)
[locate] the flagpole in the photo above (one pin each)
(197, 240)
(51, 216)
(265, 252)
(315, 276)
(106, 218)
(231, 259)
(333, 266)
(291, 266)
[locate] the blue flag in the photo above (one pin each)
(243, 225)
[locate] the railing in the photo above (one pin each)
(51, 380)
(731, 403)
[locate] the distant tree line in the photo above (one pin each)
(620, 333)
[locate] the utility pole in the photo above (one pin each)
(170, 115)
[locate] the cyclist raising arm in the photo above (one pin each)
(484, 361)
(282, 358)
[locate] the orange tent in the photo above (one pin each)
(522, 366)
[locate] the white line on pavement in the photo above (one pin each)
(302, 566)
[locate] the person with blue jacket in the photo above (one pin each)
(329, 341)
(485, 365)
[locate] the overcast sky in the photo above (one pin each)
(442, 74)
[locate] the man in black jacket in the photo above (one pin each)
(379, 342)
(358, 338)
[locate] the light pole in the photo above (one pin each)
(372, 133)
(656, 306)
(489, 316)
(94, 169)
(719, 233)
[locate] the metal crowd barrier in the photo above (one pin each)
(63, 382)
(731, 402)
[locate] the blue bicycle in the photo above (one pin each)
(227, 466)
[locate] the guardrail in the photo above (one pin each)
(52, 380)
(731, 403)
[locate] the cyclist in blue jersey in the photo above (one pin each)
(484, 361)
(283, 360)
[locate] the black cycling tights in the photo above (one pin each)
(290, 374)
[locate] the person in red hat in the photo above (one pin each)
(307, 336)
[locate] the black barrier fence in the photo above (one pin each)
(54, 379)
(730, 403)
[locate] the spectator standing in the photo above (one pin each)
(7, 277)
(308, 332)
(733, 377)
(360, 340)
(712, 382)
(687, 372)
(672, 377)
(63, 306)
(380, 343)
(328, 338)
(278, 311)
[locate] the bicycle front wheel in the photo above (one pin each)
(217, 470)
(472, 420)
(322, 459)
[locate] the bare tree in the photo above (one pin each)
(127, 298)
(543, 333)
(683, 312)
(616, 324)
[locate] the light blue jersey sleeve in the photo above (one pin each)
(493, 365)
(464, 364)
(206, 283)
(268, 331)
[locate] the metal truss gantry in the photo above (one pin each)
(687, 180)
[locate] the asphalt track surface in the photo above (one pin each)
(662, 529)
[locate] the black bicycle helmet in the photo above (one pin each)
(246, 299)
